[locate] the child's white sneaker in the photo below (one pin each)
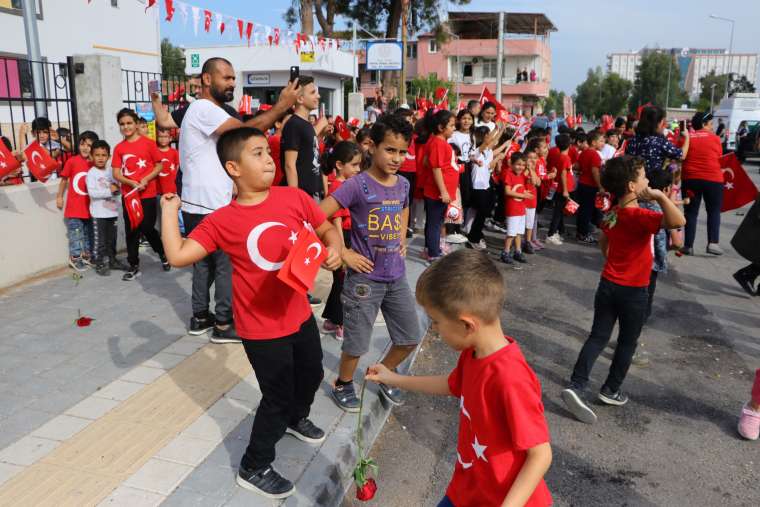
(554, 239)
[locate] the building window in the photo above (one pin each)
(467, 71)
(114, 3)
(432, 46)
(411, 50)
(489, 69)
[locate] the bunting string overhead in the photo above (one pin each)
(257, 34)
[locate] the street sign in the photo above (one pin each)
(195, 60)
(385, 55)
(257, 79)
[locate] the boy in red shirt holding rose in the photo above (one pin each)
(275, 322)
(622, 295)
(503, 448)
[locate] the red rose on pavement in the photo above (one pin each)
(83, 321)
(366, 492)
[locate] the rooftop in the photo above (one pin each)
(485, 25)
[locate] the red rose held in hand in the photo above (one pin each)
(367, 491)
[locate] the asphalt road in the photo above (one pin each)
(673, 444)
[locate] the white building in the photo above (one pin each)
(262, 71)
(624, 64)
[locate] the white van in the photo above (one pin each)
(734, 110)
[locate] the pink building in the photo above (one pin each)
(469, 58)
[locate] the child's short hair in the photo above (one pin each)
(362, 134)
(594, 136)
(141, 120)
(41, 123)
(563, 142)
(88, 134)
(404, 112)
(620, 171)
(478, 291)
(660, 180)
(230, 144)
(534, 144)
(102, 145)
(517, 156)
(343, 152)
(479, 134)
(127, 112)
(390, 123)
(163, 130)
(580, 137)
(611, 132)
(304, 80)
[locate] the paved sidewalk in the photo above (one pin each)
(131, 411)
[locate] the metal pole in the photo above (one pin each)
(667, 93)
(712, 97)
(730, 57)
(500, 57)
(33, 55)
(356, 61)
(71, 73)
(402, 85)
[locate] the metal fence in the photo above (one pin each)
(19, 102)
(136, 94)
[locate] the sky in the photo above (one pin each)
(587, 30)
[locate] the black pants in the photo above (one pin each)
(104, 233)
(289, 371)
(434, 213)
(587, 212)
(613, 303)
(751, 270)
(213, 269)
(333, 306)
(499, 212)
(147, 228)
(713, 193)
(558, 214)
(650, 291)
(482, 201)
(411, 178)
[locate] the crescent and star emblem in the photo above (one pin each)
(480, 449)
(171, 167)
(124, 169)
(253, 247)
(317, 248)
(135, 208)
(76, 186)
(518, 188)
(3, 164)
(42, 166)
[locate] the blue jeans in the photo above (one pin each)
(445, 502)
(434, 212)
(79, 232)
(713, 194)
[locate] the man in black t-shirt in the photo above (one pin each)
(299, 146)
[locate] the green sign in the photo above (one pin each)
(195, 60)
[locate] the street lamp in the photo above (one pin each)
(712, 96)
(730, 47)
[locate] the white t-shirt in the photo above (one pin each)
(463, 141)
(607, 152)
(481, 173)
(491, 125)
(204, 180)
(103, 204)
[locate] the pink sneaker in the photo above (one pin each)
(329, 327)
(339, 333)
(749, 423)
(537, 244)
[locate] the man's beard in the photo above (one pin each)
(222, 95)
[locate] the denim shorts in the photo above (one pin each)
(362, 298)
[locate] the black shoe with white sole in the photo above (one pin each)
(344, 395)
(392, 394)
(134, 272)
(226, 335)
(201, 324)
(306, 431)
(265, 482)
(610, 397)
(573, 398)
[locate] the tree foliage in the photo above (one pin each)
(426, 86)
(651, 83)
(325, 10)
(602, 94)
(172, 60)
(555, 102)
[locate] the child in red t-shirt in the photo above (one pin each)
(516, 194)
(532, 183)
(622, 295)
(503, 448)
(559, 161)
(76, 214)
(590, 166)
(275, 322)
(345, 159)
(136, 163)
(167, 178)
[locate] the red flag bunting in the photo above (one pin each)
(169, 6)
(8, 162)
(151, 3)
(240, 27)
(206, 19)
(39, 162)
(302, 263)
(738, 188)
(249, 31)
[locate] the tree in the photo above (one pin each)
(615, 93)
(741, 85)
(555, 102)
(706, 88)
(588, 93)
(651, 83)
(325, 10)
(172, 60)
(426, 87)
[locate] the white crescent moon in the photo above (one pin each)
(75, 184)
(124, 170)
(728, 170)
(464, 465)
(317, 247)
(42, 166)
(162, 166)
(253, 247)
(134, 207)
(517, 188)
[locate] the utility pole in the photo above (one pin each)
(730, 50)
(667, 93)
(402, 85)
(356, 60)
(500, 57)
(712, 96)
(33, 56)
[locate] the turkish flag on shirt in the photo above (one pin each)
(8, 162)
(39, 162)
(134, 209)
(341, 128)
(738, 189)
(302, 263)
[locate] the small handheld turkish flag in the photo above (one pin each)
(440, 93)
(8, 162)
(738, 189)
(39, 162)
(302, 263)
(134, 209)
(341, 128)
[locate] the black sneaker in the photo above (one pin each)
(528, 248)
(266, 482)
(606, 395)
(519, 257)
(132, 273)
(506, 258)
(227, 335)
(392, 394)
(745, 281)
(118, 265)
(165, 263)
(345, 397)
(409, 234)
(314, 301)
(103, 269)
(686, 250)
(306, 431)
(573, 398)
(202, 324)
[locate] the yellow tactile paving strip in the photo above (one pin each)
(86, 468)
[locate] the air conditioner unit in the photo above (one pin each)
(476, 60)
